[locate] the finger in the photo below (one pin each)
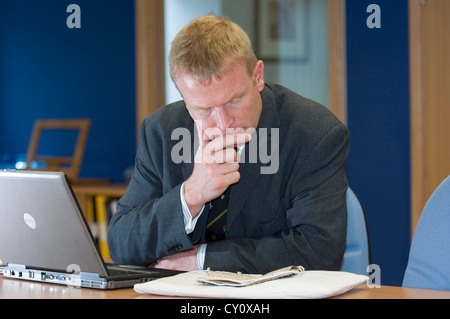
(219, 185)
(229, 140)
(227, 155)
(225, 168)
(203, 139)
(232, 177)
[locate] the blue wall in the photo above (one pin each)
(378, 120)
(50, 71)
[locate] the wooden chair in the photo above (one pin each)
(70, 165)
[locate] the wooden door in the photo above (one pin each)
(430, 99)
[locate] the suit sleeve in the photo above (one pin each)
(315, 232)
(148, 223)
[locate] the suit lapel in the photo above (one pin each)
(187, 168)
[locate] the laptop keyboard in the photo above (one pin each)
(128, 270)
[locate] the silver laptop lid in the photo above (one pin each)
(41, 225)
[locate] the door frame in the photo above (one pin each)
(416, 113)
(150, 60)
(337, 59)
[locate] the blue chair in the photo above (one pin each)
(357, 250)
(429, 257)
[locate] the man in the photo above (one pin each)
(284, 209)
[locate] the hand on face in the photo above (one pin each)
(234, 105)
(216, 167)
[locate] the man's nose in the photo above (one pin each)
(222, 118)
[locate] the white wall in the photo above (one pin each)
(178, 13)
(308, 77)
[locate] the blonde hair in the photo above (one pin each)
(205, 45)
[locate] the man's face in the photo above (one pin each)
(232, 102)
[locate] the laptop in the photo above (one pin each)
(44, 236)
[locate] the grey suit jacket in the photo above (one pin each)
(296, 216)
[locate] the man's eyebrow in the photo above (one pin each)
(235, 96)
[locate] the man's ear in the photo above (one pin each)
(258, 74)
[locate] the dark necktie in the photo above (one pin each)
(216, 225)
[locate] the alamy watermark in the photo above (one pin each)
(259, 148)
(374, 272)
(75, 270)
(373, 21)
(73, 21)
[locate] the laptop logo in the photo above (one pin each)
(29, 220)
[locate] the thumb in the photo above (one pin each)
(202, 140)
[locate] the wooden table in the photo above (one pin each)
(18, 289)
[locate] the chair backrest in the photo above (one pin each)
(357, 250)
(429, 257)
(71, 165)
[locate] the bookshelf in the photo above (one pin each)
(98, 205)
